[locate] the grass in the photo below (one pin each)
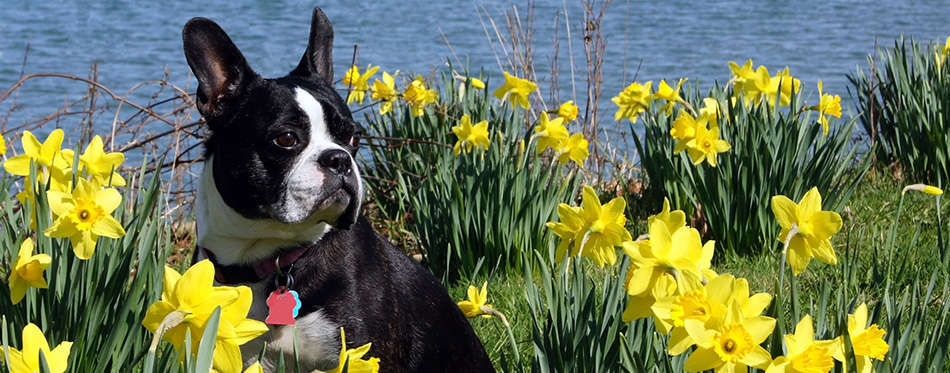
(860, 242)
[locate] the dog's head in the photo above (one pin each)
(280, 149)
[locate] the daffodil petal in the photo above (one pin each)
(825, 223)
(18, 364)
(697, 330)
(109, 199)
(84, 244)
(798, 255)
(702, 359)
(720, 289)
(58, 358)
(33, 340)
(641, 280)
(760, 327)
(786, 211)
(61, 203)
(824, 252)
(108, 227)
(811, 203)
(19, 165)
(680, 341)
(52, 144)
(195, 284)
(227, 357)
(756, 304)
(18, 288)
(248, 330)
(758, 358)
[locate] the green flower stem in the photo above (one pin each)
(511, 335)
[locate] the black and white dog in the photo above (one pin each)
(279, 205)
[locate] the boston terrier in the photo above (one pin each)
(278, 209)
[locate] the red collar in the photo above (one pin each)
(253, 272)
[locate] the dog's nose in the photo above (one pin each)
(336, 161)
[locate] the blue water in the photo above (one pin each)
(138, 42)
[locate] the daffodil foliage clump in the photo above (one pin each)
(84, 247)
(469, 164)
(902, 104)
(723, 155)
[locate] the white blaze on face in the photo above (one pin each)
(305, 179)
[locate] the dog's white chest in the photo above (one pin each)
(318, 338)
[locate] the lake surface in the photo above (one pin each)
(670, 39)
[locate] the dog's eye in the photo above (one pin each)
(286, 140)
(355, 140)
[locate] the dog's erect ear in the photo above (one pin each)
(318, 59)
(220, 67)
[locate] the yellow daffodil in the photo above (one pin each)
(593, 230)
(470, 136)
(675, 254)
(672, 96)
(923, 188)
(477, 300)
(782, 85)
(641, 305)
(940, 54)
(477, 83)
(84, 215)
(27, 271)
(517, 90)
(418, 96)
(353, 359)
(635, 99)
(685, 129)
(98, 165)
(710, 301)
(828, 105)
(815, 228)
(385, 92)
(867, 341)
(770, 88)
(706, 146)
(194, 296)
(805, 354)
(570, 226)
(359, 82)
(742, 76)
(27, 359)
(550, 132)
(729, 344)
(45, 155)
(568, 111)
(605, 228)
(573, 149)
(3, 146)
